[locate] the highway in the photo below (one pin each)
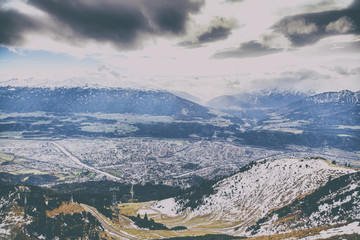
(78, 162)
(110, 229)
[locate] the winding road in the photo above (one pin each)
(110, 229)
(78, 162)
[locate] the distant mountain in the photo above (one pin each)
(344, 97)
(91, 100)
(324, 110)
(330, 119)
(264, 99)
(240, 201)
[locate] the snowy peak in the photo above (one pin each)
(345, 97)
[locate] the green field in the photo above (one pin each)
(115, 172)
(7, 157)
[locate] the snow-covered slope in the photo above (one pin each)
(337, 202)
(352, 228)
(239, 201)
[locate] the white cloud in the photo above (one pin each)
(275, 40)
(24, 8)
(299, 27)
(342, 25)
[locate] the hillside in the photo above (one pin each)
(237, 202)
(271, 197)
(28, 212)
(336, 202)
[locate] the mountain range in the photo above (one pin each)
(92, 100)
(272, 119)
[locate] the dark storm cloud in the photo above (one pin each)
(355, 5)
(247, 50)
(170, 15)
(123, 23)
(309, 28)
(13, 24)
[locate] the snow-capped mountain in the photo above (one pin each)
(344, 97)
(239, 201)
(91, 100)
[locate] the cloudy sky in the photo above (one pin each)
(203, 47)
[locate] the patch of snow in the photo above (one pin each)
(351, 228)
(167, 206)
(147, 211)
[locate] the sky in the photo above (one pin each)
(205, 48)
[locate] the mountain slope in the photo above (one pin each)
(239, 201)
(336, 202)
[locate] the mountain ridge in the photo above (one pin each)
(106, 100)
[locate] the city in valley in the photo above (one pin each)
(176, 162)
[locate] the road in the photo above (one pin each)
(117, 233)
(78, 162)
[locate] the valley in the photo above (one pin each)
(157, 166)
